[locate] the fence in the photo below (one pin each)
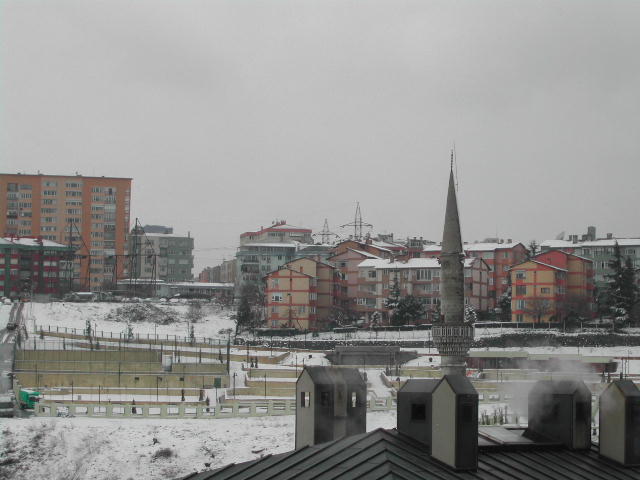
(232, 410)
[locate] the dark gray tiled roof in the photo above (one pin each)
(628, 388)
(460, 384)
(419, 385)
(331, 375)
(386, 454)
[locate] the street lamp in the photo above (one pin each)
(234, 385)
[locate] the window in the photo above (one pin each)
(418, 412)
(50, 193)
(50, 184)
(545, 290)
(305, 399)
(505, 254)
(521, 274)
(276, 297)
(371, 274)
(467, 272)
(521, 289)
(520, 304)
(423, 274)
(325, 399)
(302, 309)
(586, 251)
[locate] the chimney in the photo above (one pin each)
(455, 422)
(560, 411)
(331, 403)
(574, 238)
(584, 237)
(509, 240)
(591, 233)
(414, 409)
(609, 236)
(620, 423)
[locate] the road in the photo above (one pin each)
(7, 339)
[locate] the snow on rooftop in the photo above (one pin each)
(30, 242)
(474, 247)
(411, 263)
(602, 242)
(200, 285)
(488, 246)
(279, 244)
(366, 254)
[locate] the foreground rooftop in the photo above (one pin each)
(503, 453)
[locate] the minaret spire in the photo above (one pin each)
(452, 336)
(452, 238)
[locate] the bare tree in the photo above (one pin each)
(538, 308)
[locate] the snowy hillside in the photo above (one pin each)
(102, 449)
(104, 316)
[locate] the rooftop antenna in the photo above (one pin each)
(357, 224)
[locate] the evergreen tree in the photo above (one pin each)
(393, 300)
(622, 294)
(409, 310)
(244, 315)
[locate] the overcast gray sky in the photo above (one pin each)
(229, 114)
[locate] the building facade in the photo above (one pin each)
(551, 287)
(32, 265)
(599, 250)
(163, 256)
(306, 301)
(500, 255)
(89, 214)
(267, 249)
(421, 278)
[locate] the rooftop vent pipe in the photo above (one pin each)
(414, 409)
(455, 422)
(560, 411)
(331, 403)
(620, 423)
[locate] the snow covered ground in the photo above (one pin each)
(102, 449)
(75, 315)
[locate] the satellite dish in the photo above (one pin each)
(560, 236)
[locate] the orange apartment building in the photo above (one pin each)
(552, 286)
(301, 294)
(499, 255)
(419, 277)
(90, 214)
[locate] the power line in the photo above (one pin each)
(357, 224)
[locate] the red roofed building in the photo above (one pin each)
(552, 287)
(499, 255)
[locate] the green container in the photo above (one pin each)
(28, 398)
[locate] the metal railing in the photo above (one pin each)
(240, 409)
